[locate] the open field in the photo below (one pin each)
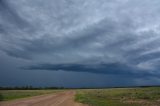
(65, 98)
(15, 94)
(149, 96)
(120, 97)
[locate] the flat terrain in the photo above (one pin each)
(65, 98)
(16, 94)
(149, 96)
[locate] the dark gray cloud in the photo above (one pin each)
(67, 34)
(9, 13)
(110, 69)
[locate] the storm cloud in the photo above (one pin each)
(110, 69)
(111, 37)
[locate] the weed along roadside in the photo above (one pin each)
(120, 97)
(6, 95)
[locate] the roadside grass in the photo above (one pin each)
(16, 94)
(120, 97)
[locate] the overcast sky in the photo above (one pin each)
(79, 43)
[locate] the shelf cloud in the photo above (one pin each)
(95, 36)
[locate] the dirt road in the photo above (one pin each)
(59, 99)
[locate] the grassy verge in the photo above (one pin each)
(15, 94)
(120, 97)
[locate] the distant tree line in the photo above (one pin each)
(49, 88)
(29, 88)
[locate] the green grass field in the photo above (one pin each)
(15, 94)
(120, 97)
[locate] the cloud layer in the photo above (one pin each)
(115, 36)
(109, 69)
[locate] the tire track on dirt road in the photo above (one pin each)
(59, 99)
